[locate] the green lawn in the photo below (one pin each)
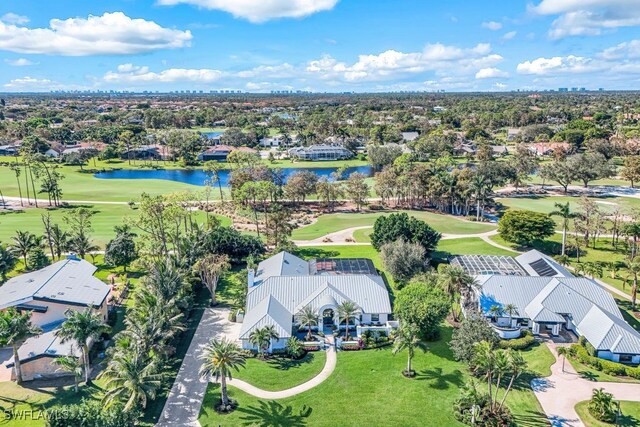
(330, 223)
(546, 204)
(630, 414)
(281, 373)
(539, 359)
(367, 388)
(363, 235)
(105, 218)
(467, 246)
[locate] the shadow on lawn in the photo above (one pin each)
(274, 414)
(284, 364)
(440, 380)
(308, 253)
(531, 419)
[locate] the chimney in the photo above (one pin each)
(250, 277)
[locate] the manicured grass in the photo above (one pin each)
(539, 359)
(367, 388)
(595, 375)
(106, 217)
(546, 204)
(17, 398)
(363, 235)
(282, 373)
(466, 246)
(330, 223)
(630, 414)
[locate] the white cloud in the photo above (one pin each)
(588, 17)
(129, 73)
(20, 62)
(629, 50)
(492, 25)
(560, 65)
(391, 64)
(491, 73)
(109, 34)
(12, 18)
(500, 86)
(261, 10)
(510, 35)
(29, 83)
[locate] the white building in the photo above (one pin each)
(548, 300)
(283, 285)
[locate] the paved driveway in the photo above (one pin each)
(559, 393)
(185, 398)
(5, 354)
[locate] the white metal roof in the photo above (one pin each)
(269, 311)
(528, 261)
(69, 281)
(46, 345)
(281, 264)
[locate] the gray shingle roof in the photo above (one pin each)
(269, 311)
(536, 263)
(67, 281)
(545, 299)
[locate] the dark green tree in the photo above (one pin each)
(525, 227)
(392, 227)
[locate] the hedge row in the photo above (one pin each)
(607, 366)
(525, 341)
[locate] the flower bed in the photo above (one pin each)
(351, 345)
(521, 343)
(580, 353)
(311, 347)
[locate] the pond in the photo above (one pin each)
(198, 177)
(212, 135)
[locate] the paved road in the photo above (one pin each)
(559, 393)
(329, 366)
(185, 399)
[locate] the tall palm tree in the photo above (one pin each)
(83, 327)
(510, 310)
(261, 338)
(132, 377)
(16, 170)
(15, 327)
(564, 212)
(23, 243)
(516, 366)
(81, 244)
(455, 281)
(308, 317)
(220, 358)
(633, 267)
(347, 311)
(60, 240)
(495, 311)
(484, 363)
(73, 365)
(408, 338)
(563, 351)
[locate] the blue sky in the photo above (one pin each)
(319, 45)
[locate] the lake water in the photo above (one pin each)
(212, 135)
(198, 177)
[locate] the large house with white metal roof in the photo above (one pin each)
(47, 294)
(283, 285)
(549, 299)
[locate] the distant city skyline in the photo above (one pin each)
(319, 45)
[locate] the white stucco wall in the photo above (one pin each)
(55, 312)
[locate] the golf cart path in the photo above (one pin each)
(559, 393)
(329, 366)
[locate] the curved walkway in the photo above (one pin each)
(337, 238)
(562, 391)
(329, 366)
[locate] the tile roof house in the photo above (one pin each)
(47, 294)
(283, 285)
(549, 299)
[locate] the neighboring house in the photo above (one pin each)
(274, 141)
(9, 150)
(512, 133)
(465, 148)
(221, 152)
(549, 299)
(500, 150)
(321, 152)
(410, 136)
(283, 285)
(48, 293)
(548, 148)
(147, 152)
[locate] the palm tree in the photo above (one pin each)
(294, 347)
(83, 327)
(15, 327)
(16, 170)
(60, 240)
(455, 281)
(408, 338)
(484, 363)
(510, 310)
(564, 212)
(81, 244)
(261, 338)
(72, 365)
(495, 311)
(132, 377)
(600, 404)
(308, 317)
(220, 358)
(347, 311)
(516, 366)
(633, 267)
(563, 351)
(23, 242)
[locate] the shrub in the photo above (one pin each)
(525, 341)
(581, 354)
